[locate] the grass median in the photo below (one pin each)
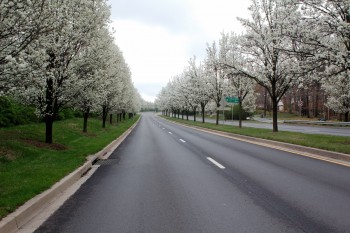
(325, 142)
(28, 166)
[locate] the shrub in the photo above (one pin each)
(13, 113)
(228, 114)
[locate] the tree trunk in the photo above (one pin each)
(49, 128)
(182, 114)
(104, 116)
(316, 103)
(265, 102)
(187, 114)
(124, 115)
(240, 113)
(217, 114)
(203, 112)
(86, 116)
(274, 114)
(110, 118)
(346, 117)
(49, 113)
(290, 108)
(194, 114)
(307, 104)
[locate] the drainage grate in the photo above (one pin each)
(107, 161)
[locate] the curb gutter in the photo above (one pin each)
(14, 221)
(330, 156)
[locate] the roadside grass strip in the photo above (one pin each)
(28, 166)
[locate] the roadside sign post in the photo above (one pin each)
(232, 100)
(232, 113)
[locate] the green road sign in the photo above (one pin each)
(231, 99)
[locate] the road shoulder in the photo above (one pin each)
(324, 155)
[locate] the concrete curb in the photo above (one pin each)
(14, 221)
(335, 157)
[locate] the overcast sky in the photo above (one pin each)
(158, 37)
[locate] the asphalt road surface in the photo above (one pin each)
(308, 129)
(169, 178)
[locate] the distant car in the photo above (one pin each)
(323, 119)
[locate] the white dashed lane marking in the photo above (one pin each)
(215, 163)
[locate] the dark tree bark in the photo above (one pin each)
(274, 114)
(49, 128)
(104, 116)
(49, 111)
(346, 117)
(217, 114)
(194, 114)
(203, 112)
(240, 113)
(86, 116)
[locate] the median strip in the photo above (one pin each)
(215, 163)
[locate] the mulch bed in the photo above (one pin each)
(40, 144)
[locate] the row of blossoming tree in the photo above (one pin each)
(56, 53)
(286, 44)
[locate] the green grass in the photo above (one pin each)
(325, 142)
(28, 166)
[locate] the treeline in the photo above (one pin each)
(56, 55)
(288, 47)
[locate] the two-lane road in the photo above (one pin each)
(307, 129)
(169, 178)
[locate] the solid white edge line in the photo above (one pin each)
(182, 140)
(216, 163)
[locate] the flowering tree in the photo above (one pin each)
(21, 23)
(88, 69)
(329, 32)
(163, 99)
(240, 85)
(48, 60)
(216, 77)
(264, 46)
(135, 101)
(197, 75)
(338, 90)
(116, 80)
